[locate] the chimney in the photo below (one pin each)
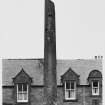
(50, 82)
(98, 57)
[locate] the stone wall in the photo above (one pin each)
(83, 95)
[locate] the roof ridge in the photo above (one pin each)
(24, 59)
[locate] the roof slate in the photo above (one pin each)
(34, 68)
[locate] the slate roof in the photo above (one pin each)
(34, 68)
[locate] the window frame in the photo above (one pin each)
(17, 92)
(67, 97)
(93, 93)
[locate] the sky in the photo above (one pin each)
(80, 28)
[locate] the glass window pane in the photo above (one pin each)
(72, 85)
(19, 87)
(72, 94)
(95, 90)
(66, 94)
(95, 84)
(20, 96)
(67, 85)
(24, 87)
(25, 96)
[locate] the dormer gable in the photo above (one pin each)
(70, 75)
(22, 77)
(95, 74)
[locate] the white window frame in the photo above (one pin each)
(70, 98)
(93, 93)
(22, 92)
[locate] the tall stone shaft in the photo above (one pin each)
(50, 82)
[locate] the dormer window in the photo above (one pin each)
(70, 90)
(22, 92)
(22, 82)
(70, 80)
(95, 88)
(95, 81)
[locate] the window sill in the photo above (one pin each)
(22, 101)
(96, 95)
(70, 100)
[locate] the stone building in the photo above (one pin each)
(79, 82)
(49, 81)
